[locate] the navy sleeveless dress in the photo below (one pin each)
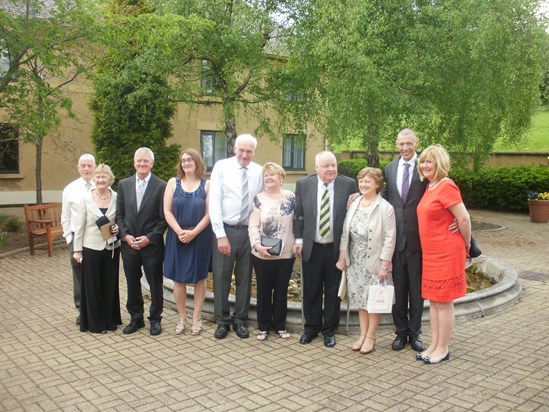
(188, 263)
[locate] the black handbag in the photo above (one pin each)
(274, 244)
(474, 250)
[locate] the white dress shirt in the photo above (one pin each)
(320, 192)
(225, 202)
(72, 195)
(400, 172)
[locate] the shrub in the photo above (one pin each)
(351, 167)
(3, 238)
(9, 223)
(502, 188)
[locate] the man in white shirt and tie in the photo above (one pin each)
(72, 194)
(234, 183)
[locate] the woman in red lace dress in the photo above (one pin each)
(444, 252)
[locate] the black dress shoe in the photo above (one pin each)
(156, 328)
(133, 326)
(78, 320)
(221, 331)
(329, 341)
(241, 330)
(399, 342)
(417, 343)
(307, 338)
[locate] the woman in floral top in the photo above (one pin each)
(272, 217)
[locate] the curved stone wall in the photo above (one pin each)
(498, 297)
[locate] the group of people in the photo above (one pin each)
(408, 227)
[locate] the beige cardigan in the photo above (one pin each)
(381, 233)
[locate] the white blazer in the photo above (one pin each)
(87, 232)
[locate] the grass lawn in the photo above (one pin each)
(537, 138)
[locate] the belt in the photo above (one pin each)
(235, 226)
(324, 244)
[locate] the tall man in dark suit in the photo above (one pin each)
(140, 218)
(321, 205)
(404, 190)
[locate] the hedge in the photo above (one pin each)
(502, 188)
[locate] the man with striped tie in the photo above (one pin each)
(234, 183)
(321, 205)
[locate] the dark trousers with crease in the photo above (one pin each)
(152, 265)
(408, 307)
(239, 262)
(321, 278)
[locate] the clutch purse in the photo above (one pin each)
(474, 250)
(274, 244)
(342, 292)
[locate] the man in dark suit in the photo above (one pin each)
(140, 218)
(321, 205)
(404, 190)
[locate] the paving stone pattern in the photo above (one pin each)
(498, 363)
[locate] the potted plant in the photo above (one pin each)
(538, 203)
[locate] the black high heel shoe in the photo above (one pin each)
(430, 360)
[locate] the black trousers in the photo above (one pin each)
(153, 267)
(272, 278)
(321, 278)
(100, 297)
(408, 307)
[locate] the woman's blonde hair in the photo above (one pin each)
(376, 174)
(103, 168)
(274, 168)
(441, 158)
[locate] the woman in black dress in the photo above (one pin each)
(97, 248)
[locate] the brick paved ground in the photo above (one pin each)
(498, 362)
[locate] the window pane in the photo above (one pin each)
(293, 152)
(9, 149)
(206, 143)
(220, 147)
(299, 152)
(214, 147)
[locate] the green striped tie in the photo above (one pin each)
(324, 222)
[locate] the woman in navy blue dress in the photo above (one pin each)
(189, 239)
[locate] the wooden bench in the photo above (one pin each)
(43, 221)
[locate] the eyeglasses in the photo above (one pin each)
(187, 160)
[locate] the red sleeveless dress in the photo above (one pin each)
(444, 252)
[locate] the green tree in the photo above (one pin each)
(462, 73)
(133, 100)
(44, 48)
(233, 59)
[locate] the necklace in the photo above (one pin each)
(365, 204)
(103, 197)
(433, 184)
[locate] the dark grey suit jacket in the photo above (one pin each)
(148, 220)
(306, 210)
(405, 213)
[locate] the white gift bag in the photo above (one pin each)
(380, 298)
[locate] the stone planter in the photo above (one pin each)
(504, 293)
(539, 210)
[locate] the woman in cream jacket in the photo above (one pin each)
(366, 249)
(99, 253)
